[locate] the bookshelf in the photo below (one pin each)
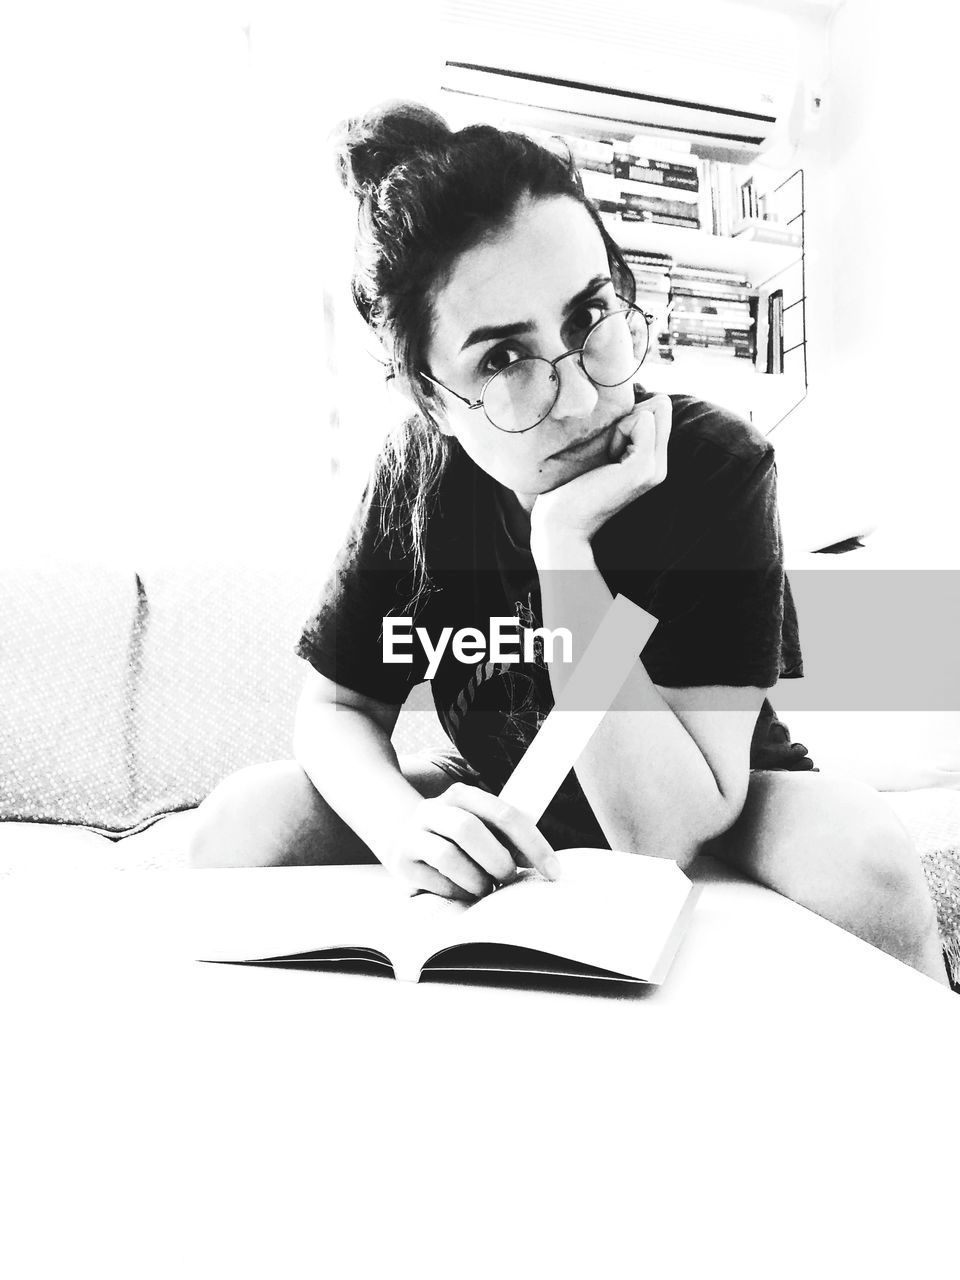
(757, 261)
(742, 385)
(765, 399)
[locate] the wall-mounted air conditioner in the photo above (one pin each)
(716, 73)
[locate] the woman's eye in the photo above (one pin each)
(498, 359)
(586, 316)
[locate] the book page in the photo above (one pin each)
(269, 913)
(426, 925)
(610, 910)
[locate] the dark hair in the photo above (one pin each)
(426, 195)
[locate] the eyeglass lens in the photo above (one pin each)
(523, 393)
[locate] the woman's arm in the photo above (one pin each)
(342, 742)
(458, 845)
(654, 786)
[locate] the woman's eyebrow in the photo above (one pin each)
(486, 332)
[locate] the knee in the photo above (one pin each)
(835, 845)
(265, 815)
(896, 907)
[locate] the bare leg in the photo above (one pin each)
(271, 815)
(833, 845)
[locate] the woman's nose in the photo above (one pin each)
(578, 396)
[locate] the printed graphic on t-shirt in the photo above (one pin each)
(501, 706)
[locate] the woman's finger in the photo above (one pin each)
(529, 846)
(451, 861)
(429, 880)
(468, 831)
(661, 407)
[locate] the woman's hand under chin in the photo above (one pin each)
(573, 512)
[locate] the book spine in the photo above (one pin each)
(595, 166)
(628, 186)
(720, 332)
(649, 259)
(678, 208)
(660, 219)
(724, 293)
(775, 333)
(608, 187)
(589, 153)
(707, 275)
(711, 319)
(656, 172)
(767, 232)
(704, 306)
(649, 145)
(742, 351)
(717, 332)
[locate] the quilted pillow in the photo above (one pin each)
(65, 684)
(218, 678)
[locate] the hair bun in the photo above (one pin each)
(367, 147)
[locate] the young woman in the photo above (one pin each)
(536, 479)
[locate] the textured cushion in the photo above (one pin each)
(64, 694)
(932, 818)
(218, 678)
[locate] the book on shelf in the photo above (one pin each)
(716, 334)
(667, 147)
(694, 290)
(774, 332)
(709, 275)
(706, 321)
(610, 916)
(610, 187)
(725, 330)
(649, 279)
(650, 258)
(659, 173)
(607, 191)
(588, 153)
(658, 204)
(720, 350)
(710, 306)
(659, 219)
(766, 232)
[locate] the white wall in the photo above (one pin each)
(163, 390)
(878, 429)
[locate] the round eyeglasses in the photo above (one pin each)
(521, 395)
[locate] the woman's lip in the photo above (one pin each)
(581, 444)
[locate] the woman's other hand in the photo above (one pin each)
(638, 462)
(464, 843)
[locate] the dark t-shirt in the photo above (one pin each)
(701, 552)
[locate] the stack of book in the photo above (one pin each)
(659, 180)
(712, 311)
(641, 181)
(761, 218)
(651, 274)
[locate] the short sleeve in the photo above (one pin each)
(726, 616)
(370, 578)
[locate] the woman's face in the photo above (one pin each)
(539, 283)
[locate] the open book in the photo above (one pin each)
(610, 915)
(616, 916)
